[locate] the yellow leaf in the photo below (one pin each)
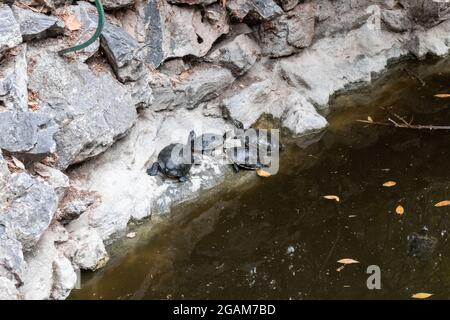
(389, 184)
(442, 95)
(347, 261)
(369, 118)
(421, 295)
(443, 203)
(400, 210)
(72, 23)
(263, 173)
(332, 197)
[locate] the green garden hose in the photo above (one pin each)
(98, 31)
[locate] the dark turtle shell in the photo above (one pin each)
(173, 167)
(260, 139)
(246, 158)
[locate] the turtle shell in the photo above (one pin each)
(171, 165)
(246, 158)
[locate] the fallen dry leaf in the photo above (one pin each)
(400, 210)
(347, 261)
(369, 118)
(340, 268)
(332, 197)
(421, 295)
(72, 23)
(443, 203)
(19, 164)
(263, 173)
(442, 95)
(389, 184)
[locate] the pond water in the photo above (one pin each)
(280, 239)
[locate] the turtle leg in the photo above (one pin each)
(153, 170)
(183, 179)
(236, 168)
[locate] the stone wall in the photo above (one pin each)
(78, 132)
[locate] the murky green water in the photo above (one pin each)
(280, 239)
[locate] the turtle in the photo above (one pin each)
(245, 158)
(174, 168)
(260, 139)
(420, 244)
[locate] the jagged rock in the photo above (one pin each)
(58, 180)
(9, 29)
(8, 290)
(434, 41)
(193, 2)
(396, 20)
(11, 256)
(185, 33)
(4, 177)
(90, 253)
(256, 9)
(75, 207)
(31, 208)
(288, 4)
(427, 13)
(48, 273)
(93, 112)
(35, 25)
(197, 85)
(13, 82)
(116, 4)
(237, 54)
(121, 51)
(341, 16)
(141, 92)
(289, 32)
(28, 135)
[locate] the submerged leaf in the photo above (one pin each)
(347, 261)
(421, 295)
(389, 184)
(332, 197)
(400, 210)
(443, 203)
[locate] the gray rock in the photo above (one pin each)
(74, 208)
(237, 54)
(11, 257)
(193, 2)
(4, 177)
(9, 29)
(13, 82)
(93, 111)
(116, 4)
(121, 50)
(35, 25)
(65, 278)
(427, 13)
(288, 33)
(8, 290)
(58, 180)
(256, 9)
(91, 253)
(197, 85)
(29, 135)
(31, 209)
(288, 4)
(396, 20)
(185, 33)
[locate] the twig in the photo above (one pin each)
(404, 126)
(423, 83)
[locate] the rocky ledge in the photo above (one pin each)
(78, 132)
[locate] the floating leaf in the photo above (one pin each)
(443, 203)
(442, 95)
(340, 268)
(400, 210)
(348, 261)
(369, 118)
(332, 197)
(389, 184)
(263, 173)
(421, 295)
(131, 235)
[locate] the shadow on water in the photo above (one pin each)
(280, 239)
